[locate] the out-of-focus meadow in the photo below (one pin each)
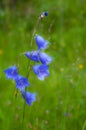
(61, 98)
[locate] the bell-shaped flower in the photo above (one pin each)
(41, 71)
(29, 97)
(44, 14)
(11, 72)
(33, 55)
(44, 58)
(21, 82)
(41, 42)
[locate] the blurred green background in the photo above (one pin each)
(61, 98)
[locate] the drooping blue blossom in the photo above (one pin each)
(44, 58)
(41, 71)
(21, 82)
(11, 72)
(29, 97)
(33, 55)
(44, 14)
(41, 42)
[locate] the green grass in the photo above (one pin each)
(61, 98)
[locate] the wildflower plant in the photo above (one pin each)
(40, 67)
(41, 70)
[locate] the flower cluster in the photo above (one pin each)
(21, 84)
(40, 70)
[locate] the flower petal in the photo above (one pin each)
(21, 82)
(41, 71)
(29, 97)
(41, 42)
(44, 58)
(11, 72)
(33, 55)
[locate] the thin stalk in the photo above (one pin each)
(34, 31)
(18, 60)
(29, 67)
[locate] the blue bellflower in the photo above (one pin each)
(11, 73)
(29, 97)
(21, 82)
(41, 71)
(44, 14)
(41, 42)
(33, 55)
(44, 58)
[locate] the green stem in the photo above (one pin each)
(34, 31)
(29, 66)
(84, 125)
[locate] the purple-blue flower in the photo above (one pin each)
(33, 55)
(41, 42)
(11, 72)
(21, 82)
(44, 58)
(41, 71)
(29, 97)
(44, 14)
